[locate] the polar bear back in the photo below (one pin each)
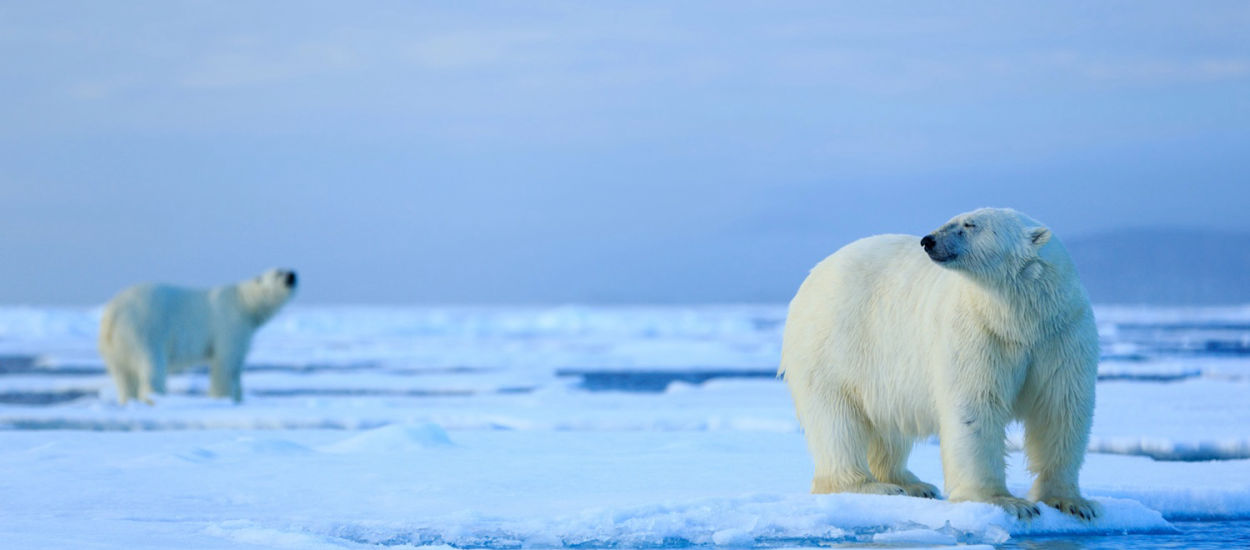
(175, 323)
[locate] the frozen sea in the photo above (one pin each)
(569, 427)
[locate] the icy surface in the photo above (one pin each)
(557, 427)
(418, 484)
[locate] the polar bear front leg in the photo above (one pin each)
(157, 379)
(219, 378)
(236, 382)
(225, 372)
(1058, 412)
(1055, 445)
(973, 442)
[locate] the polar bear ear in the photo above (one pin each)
(1038, 235)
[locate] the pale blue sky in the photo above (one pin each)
(550, 152)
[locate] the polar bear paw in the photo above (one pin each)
(1078, 507)
(825, 485)
(881, 489)
(1018, 507)
(921, 489)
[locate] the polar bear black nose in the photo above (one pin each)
(927, 242)
(290, 279)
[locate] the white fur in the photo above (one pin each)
(149, 330)
(884, 345)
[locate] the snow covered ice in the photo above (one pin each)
(559, 427)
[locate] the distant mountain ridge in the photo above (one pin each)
(1164, 266)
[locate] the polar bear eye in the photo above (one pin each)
(970, 225)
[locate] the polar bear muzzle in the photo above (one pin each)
(936, 250)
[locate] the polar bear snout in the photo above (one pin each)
(927, 242)
(937, 250)
(288, 278)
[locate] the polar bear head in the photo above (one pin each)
(991, 243)
(262, 295)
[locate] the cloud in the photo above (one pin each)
(1161, 70)
(476, 49)
(253, 63)
(103, 88)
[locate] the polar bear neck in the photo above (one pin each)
(1027, 305)
(255, 308)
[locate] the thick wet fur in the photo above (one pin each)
(956, 333)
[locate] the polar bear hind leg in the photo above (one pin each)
(837, 435)
(124, 378)
(133, 377)
(146, 372)
(130, 372)
(887, 458)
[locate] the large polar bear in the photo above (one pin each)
(148, 330)
(982, 322)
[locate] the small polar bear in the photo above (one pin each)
(982, 322)
(149, 330)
